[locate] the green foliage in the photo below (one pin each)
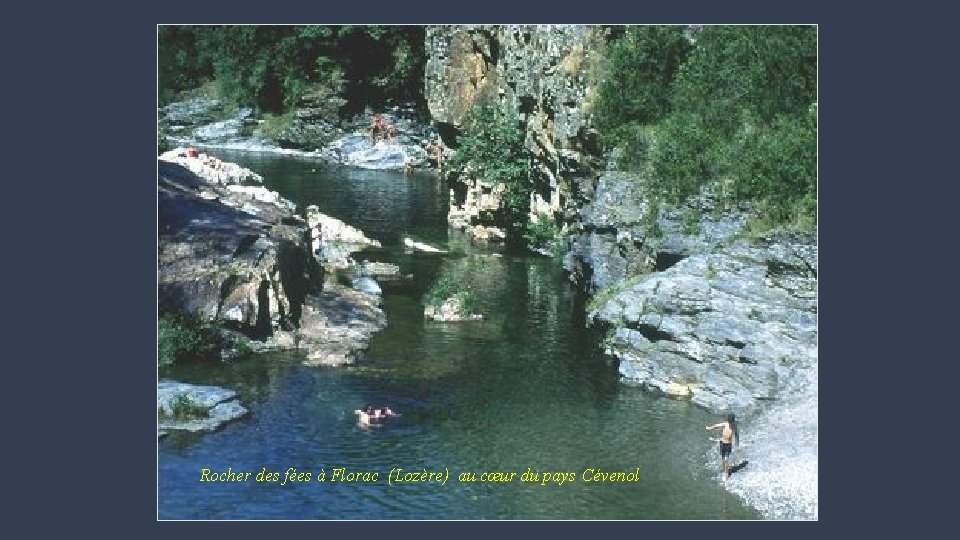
(778, 165)
(604, 295)
(447, 287)
(741, 111)
(162, 144)
(748, 73)
(650, 218)
(182, 338)
(273, 125)
(636, 89)
(182, 408)
(464, 277)
(492, 149)
(681, 157)
(178, 67)
(691, 221)
(272, 67)
(543, 231)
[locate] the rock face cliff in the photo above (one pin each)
(545, 72)
(697, 309)
(240, 255)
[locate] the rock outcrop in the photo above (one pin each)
(239, 255)
(205, 120)
(545, 72)
(191, 407)
(316, 121)
(333, 241)
(212, 169)
(405, 148)
(315, 129)
(695, 308)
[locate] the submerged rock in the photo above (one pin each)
(451, 310)
(338, 324)
(420, 246)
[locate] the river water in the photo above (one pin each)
(525, 388)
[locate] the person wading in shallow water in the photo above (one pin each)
(729, 437)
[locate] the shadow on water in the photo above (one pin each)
(523, 389)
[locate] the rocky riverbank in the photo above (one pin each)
(240, 256)
(696, 309)
(693, 306)
(314, 130)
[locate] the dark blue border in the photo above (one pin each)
(92, 255)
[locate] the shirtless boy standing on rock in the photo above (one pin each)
(728, 437)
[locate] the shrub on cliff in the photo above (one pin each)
(641, 66)
(492, 149)
(744, 111)
(186, 338)
(740, 112)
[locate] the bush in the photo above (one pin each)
(778, 165)
(447, 287)
(740, 111)
(642, 64)
(542, 232)
(182, 338)
(492, 149)
(182, 408)
(680, 158)
(274, 125)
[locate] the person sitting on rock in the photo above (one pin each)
(377, 126)
(435, 153)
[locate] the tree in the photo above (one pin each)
(641, 66)
(492, 149)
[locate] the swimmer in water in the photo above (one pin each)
(365, 416)
(371, 416)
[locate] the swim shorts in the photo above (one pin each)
(725, 449)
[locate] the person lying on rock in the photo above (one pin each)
(435, 153)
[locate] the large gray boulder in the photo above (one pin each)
(723, 329)
(241, 256)
(359, 151)
(697, 309)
